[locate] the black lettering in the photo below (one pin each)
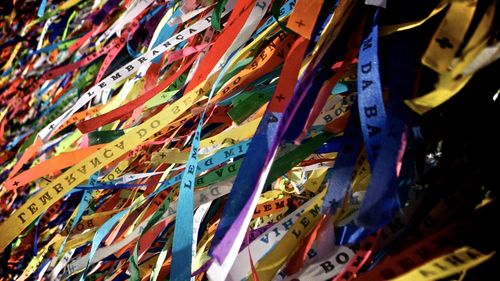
(473, 255)
(95, 162)
(311, 253)
(188, 184)
(305, 222)
(338, 111)
(21, 217)
(108, 153)
(199, 181)
(120, 145)
(215, 191)
(328, 118)
(327, 266)
(272, 46)
(82, 169)
(228, 153)
(366, 84)
(142, 132)
(315, 211)
(116, 76)
(175, 109)
(237, 80)
(425, 273)
(367, 43)
(366, 68)
(155, 124)
(191, 169)
(454, 260)
(219, 172)
(357, 261)
(209, 162)
(287, 224)
(33, 208)
(45, 197)
(440, 266)
(203, 197)
(58, 188)
(372, 130)
(280, 204)
(342, 258)
(261, 5)
(370, 111)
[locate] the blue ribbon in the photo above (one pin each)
(340, 182)
(41, 9)
(381, 199)
(166, 31)
(370, 101)
(84, 203)
(99, 236)
(213, 161)
(263, 146)
(333, 145)
(284, 11)
(262, 143)
(350, 234)
(183, 231)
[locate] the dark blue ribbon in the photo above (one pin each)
(381, 199)
(370, 101)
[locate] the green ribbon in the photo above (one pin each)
(294, 157)
(100, 137)
(217, 14)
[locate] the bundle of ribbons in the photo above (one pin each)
(249, 139)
